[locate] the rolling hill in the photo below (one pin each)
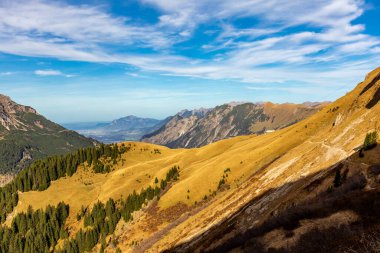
(190, 129)
(276, 192)
(26, 135)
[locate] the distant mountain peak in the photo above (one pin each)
(11, 107)
(235, 103)
(200, 112)
(8, 110)
(129, 117)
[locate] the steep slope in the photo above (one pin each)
(229, 120)
(25, 135)
(229, 189)
(126, 128)
(326, 139)
(334, 210)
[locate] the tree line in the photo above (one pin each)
(101, 221)
(39, 231)
(40, 173)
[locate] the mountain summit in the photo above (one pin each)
(9, 111)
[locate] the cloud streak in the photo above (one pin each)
(8, 73)
(50, 72)
(325, 41)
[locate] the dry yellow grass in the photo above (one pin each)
(257, 163)
(137, 171)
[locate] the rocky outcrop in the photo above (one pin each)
(8, 111)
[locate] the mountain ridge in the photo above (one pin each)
(178, 131)
(228, 120)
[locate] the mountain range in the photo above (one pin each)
(190, 129)
(26, 135)
(123, 129)
(199, 127)
(312, 186)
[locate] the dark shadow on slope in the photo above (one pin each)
(375, 99)
(358, 191)
(371, 84)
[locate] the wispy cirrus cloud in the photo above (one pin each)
(58, 23)
(268, 50)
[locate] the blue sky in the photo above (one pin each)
(100, 60)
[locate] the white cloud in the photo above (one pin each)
(315, 53)
(51, 72)
(8, 73)
(59, 23)
(321, 13)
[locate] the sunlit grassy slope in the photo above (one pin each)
(256, 163)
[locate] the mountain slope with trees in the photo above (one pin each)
(26, 135)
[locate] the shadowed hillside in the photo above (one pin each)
(335, 210)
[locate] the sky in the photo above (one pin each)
(78, 61)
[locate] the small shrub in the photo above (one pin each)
(227, 170)
(221, 183)
(370, 140)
